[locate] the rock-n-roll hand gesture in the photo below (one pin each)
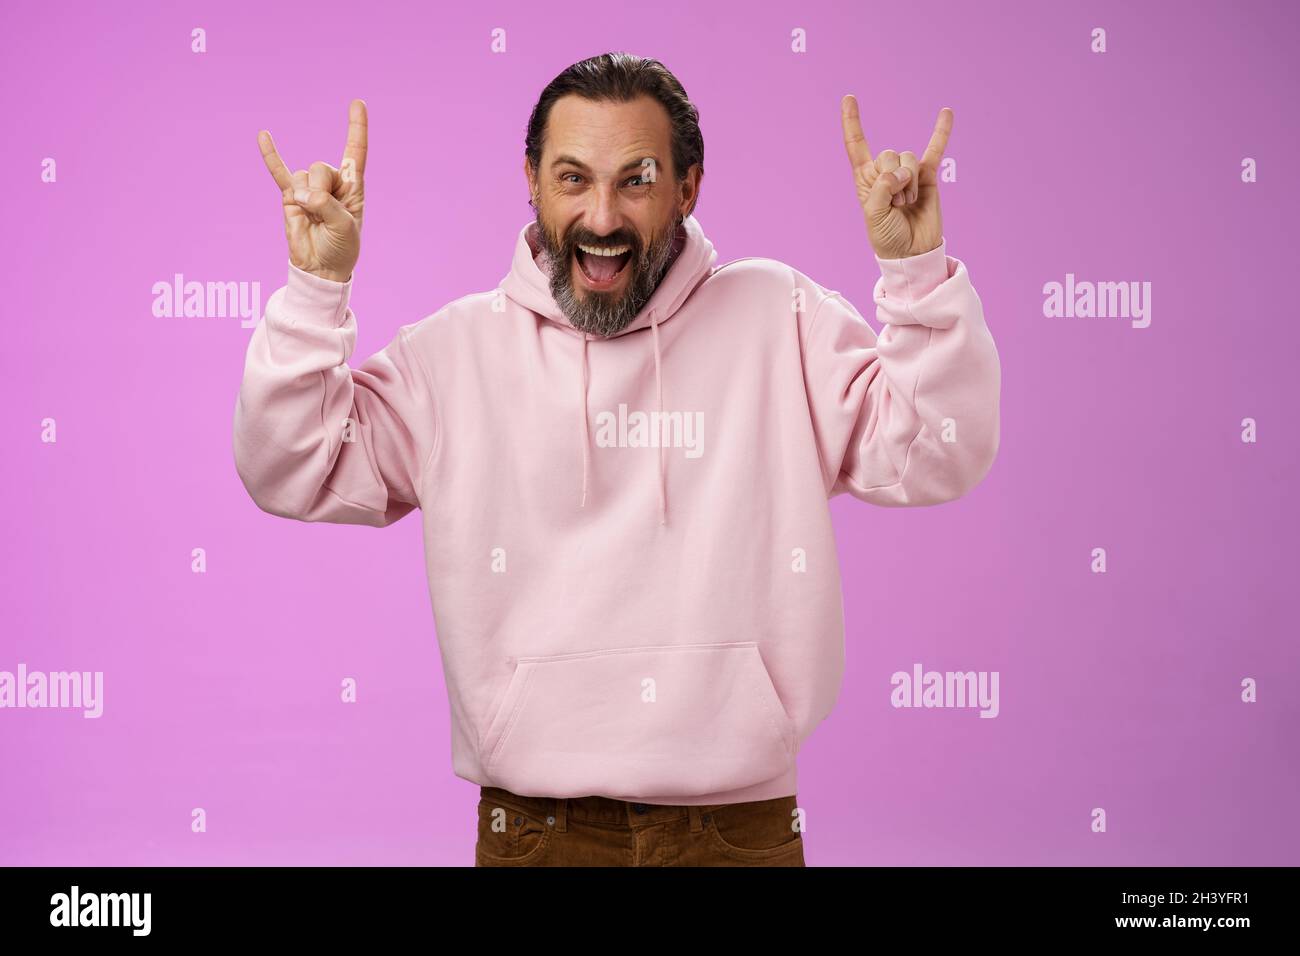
(899, 196)
(323, 205)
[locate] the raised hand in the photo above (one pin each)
(323, 205)
(899, 195)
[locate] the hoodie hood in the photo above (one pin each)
(528, 283)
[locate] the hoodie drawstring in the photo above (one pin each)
(659, 388)
(586, 434)
(586, 429)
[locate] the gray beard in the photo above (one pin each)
(606, 313)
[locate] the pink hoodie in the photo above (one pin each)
(644, 613)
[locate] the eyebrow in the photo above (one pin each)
(572, 161)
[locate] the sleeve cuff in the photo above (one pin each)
(312, 299)
(914, 277)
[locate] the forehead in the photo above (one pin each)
(604, 134)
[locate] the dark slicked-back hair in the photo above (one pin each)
(620, 78)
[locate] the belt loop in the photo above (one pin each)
(561, 814)
(693, 812)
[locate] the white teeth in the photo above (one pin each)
(593, 251)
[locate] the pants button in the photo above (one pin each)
(640, 807)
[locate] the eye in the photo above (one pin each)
(634, 180)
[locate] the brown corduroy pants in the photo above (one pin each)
(516, 830)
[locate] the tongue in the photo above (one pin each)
(603, 268)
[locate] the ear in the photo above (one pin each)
(530, 180)
(690, 189)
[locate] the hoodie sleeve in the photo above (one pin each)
(316, 440)
(909, 417)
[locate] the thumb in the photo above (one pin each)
(886, 186)
(323, 206)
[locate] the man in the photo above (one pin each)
(623, 458)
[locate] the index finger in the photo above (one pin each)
(855, 144)
(938, 139)
(356, 148)
(279, 172)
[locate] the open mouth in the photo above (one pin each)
(602, 266)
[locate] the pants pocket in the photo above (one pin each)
(756, 832)
(679, 719)
(509, 835)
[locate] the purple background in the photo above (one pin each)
(1118, 690)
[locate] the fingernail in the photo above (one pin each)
(300, 195)
(898, 199)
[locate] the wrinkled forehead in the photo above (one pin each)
(607, 138)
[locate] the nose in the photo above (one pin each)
(603, 216)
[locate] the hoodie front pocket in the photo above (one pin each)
(665, 720)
